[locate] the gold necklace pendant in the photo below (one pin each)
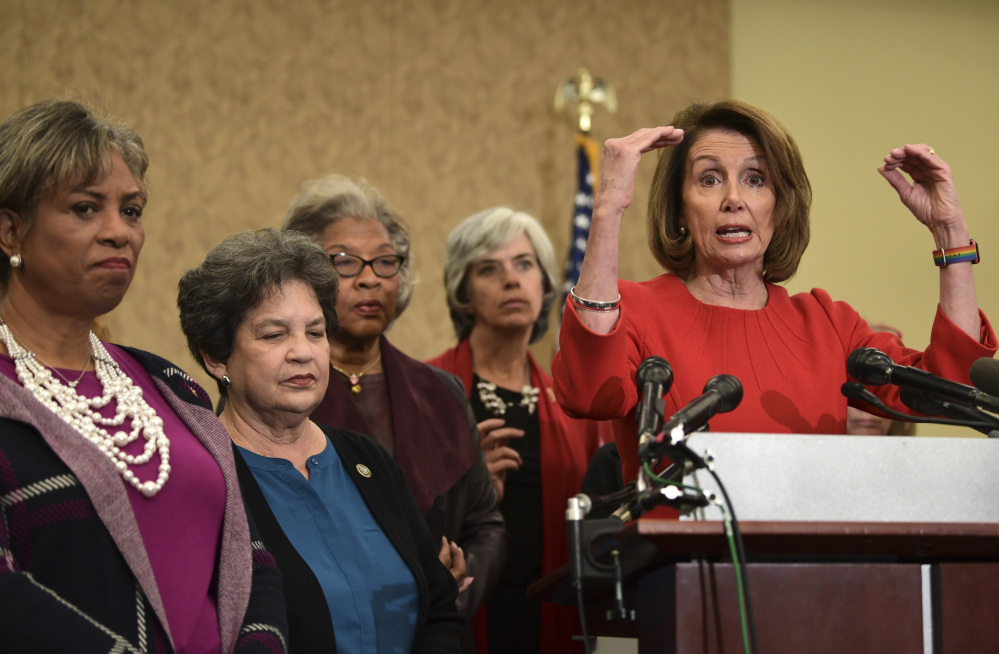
(355, 377)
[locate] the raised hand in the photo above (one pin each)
(619, 163)
(931, 196)
(494, 436)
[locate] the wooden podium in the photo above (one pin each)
(845, 586)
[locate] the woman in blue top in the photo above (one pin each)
(361, 570)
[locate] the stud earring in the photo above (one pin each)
(225, 381)
(683, 231)
(16, 261)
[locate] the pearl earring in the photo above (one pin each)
(16, 261)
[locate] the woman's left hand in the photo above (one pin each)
(453, 558)
(932, 196)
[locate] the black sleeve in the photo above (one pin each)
(474, 520)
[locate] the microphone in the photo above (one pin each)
(855, 391)
(721, 394)
(654, 377)
(876, 368)
(959, 416)
(974, 418)
(984, 374)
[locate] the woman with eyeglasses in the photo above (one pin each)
(418, 413)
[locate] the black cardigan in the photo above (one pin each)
(387, 495)
(70, 583)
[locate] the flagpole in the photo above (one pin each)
(586, 92)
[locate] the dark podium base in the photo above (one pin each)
(816, 587)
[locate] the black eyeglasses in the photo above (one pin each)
(351, 265)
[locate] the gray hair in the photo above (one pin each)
(240, 272)
(52, 144)
(333, 198)
(477, 236)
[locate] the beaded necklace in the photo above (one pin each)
(82, 414)
(497, 406)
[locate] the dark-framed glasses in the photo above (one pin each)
(351, 265)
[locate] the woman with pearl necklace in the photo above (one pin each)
(121, 523)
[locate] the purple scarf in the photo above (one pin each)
(433, 442)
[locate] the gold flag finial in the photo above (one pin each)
(586, 91)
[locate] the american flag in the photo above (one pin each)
(586, 182)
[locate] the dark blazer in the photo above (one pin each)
(74, 575)
(387, 496)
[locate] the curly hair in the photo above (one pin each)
(673, 249)
(240, 272)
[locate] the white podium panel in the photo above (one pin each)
(795, 477)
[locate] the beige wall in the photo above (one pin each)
(446, 106)
(851, 80)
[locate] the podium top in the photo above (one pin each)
(835, 478)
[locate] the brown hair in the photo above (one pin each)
(793, 194)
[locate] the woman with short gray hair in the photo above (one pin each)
(416, 412)
(476, 237)
(360, 567)
(499, 274)
(330, 199)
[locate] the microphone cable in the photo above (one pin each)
(750, 644)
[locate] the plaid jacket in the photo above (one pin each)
(74, 574)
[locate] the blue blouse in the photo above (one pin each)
(372, 596)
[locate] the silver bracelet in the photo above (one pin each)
(592, 305)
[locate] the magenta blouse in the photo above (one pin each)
(182, 524)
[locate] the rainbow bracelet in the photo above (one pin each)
(969, 252)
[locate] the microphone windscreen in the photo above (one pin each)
(852, 390)
(656, 370)
(984, 374)
(869, 365)
(730, 389)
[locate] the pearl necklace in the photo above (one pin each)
(80, 414)
(497, 406)
(355, 377)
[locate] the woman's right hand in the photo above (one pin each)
(493, 436)
(618, 170)
(619, 164)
